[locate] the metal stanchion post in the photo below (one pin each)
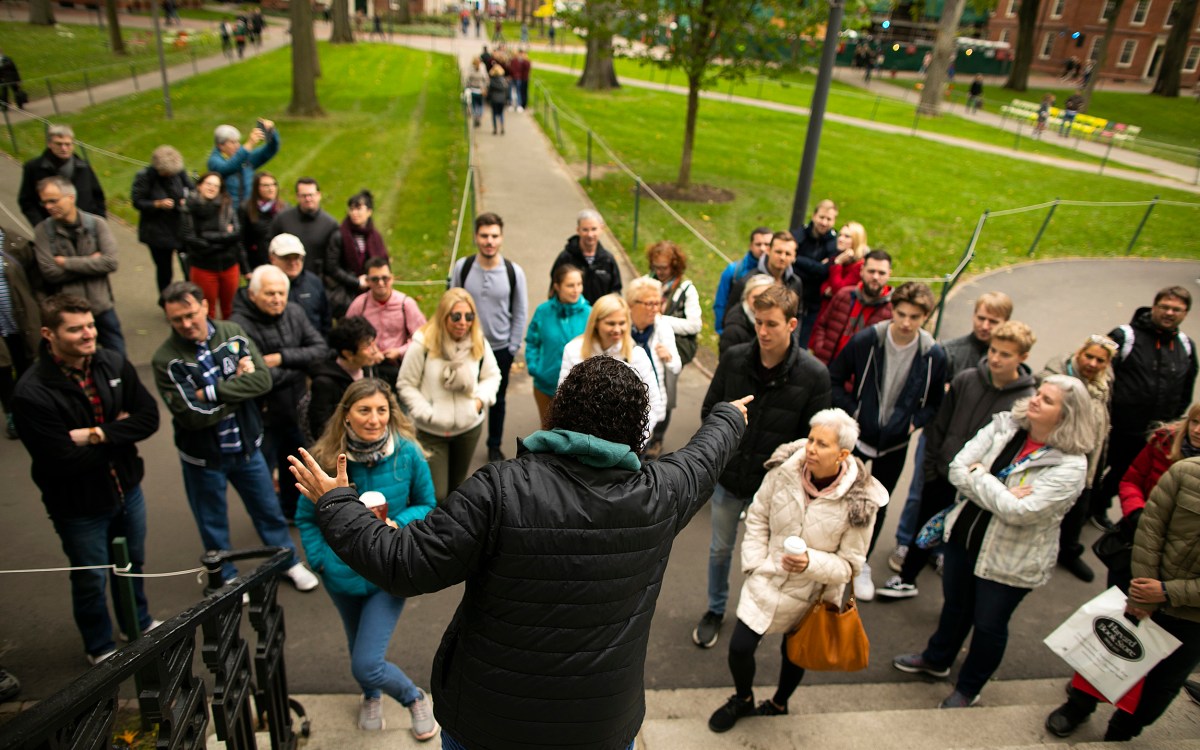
(53, 101)
(1141, 224)
(1046, 223)
(875, 108)
(123, 588)
(1104, 161)
(133, 75)
(589, 156)
(1017, 137)
(637, 204)
(11, 135)
(87, 84)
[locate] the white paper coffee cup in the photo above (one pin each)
(794, 545)
(376, 502)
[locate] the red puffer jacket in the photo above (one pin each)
(1145, 471)
(846, 316)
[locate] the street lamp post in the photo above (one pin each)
(162, 62)
(816, 116)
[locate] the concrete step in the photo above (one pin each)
(1010, 716)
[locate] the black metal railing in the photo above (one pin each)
(169, 692)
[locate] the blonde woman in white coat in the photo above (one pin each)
(447, 381)
(607, 333)
(816, 490)
(1016, 478)
(652, 332)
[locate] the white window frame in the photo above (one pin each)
(1192, 61)
(1047, 47)
(1125, 45)
(1104, 10)
(1093, 52)
(1056, 10)
(1011, 10)
(1170, 12)
(1005, 35)
(1138, 5)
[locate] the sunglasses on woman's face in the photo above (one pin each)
(457, 316)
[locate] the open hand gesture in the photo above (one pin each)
(311, 479)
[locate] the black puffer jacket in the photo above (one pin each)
(739, 329)
(600, 277)
(293, 337)
(160, 227)
(563, 565)
(210, 235)
(967, 407)
(76, 481)
(779, 412)
(1154, 381)
(329, 383)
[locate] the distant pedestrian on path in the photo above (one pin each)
(80, 413)
(1070, 110)
(226, 39)
(10, 81)
(1043, 115)
(499, 289)
(477, 85)
(975, 95)
(497, 95)
(544, 578)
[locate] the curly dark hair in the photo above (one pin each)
(602, 397)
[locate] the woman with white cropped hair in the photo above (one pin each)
(818, 490)
(1016, 479)
(158, 194)
(652, 334)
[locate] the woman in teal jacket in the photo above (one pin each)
(383, 456)
(555, 322)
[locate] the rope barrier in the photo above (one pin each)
(116, 570)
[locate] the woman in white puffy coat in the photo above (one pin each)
(816, 490)
(1016, 478)
(607, 333)
(653, 334)
(447, 381)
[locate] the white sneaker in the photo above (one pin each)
(896, 559)
(864, 587)
(94, 660)
(423, 725)
(302, 578)
(370, 715)
(153, 624)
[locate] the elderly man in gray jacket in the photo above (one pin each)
(75, 253)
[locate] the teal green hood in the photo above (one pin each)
(586, 449)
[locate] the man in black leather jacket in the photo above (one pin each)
(563, 551)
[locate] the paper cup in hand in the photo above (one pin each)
(794, 545)
(377, 503)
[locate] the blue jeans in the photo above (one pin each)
(88, 541)
(449, 743)
(279, 442)
(971, 602)
(108, 331)
(206, 490)
(369, 622)
(907, 530)
(726, 510)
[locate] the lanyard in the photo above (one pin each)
(1020, 465)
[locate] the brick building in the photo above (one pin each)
(1137, 44)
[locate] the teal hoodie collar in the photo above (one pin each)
(586, 449)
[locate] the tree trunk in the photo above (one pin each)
(689, 132)
(1171, 66)
(1101, 54)
(343, 30)
(115, 42)
(598, 71)
(41, 13)
(1027, 15)
(944, 49)
(304, 63)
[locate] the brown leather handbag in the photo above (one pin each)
(830, 638)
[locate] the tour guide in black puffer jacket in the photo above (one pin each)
(563, 550)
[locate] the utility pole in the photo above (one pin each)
(162, 62)
(816, 117)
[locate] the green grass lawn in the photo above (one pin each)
(62, 52)
(917, 199)
(844, 99)
(563, 36)
(397, 132)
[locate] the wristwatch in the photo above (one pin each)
(94, 436)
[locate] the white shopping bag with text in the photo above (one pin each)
(1110, 650)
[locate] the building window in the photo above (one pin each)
(1057, 10)
(1094, 51)
(1172, 14)
(1047, 45)
(1005, 35)
(1140, 11)
(1107, 11)
(1192, 61)
(1012, 9)
(1127, 50)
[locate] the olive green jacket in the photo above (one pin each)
(1167, 544)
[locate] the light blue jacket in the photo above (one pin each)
(403, 478)
(238, 170)
(554, 324)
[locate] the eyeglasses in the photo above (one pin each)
(647, 303)
(267, 184)
(1104, 341)
(457, 316)
(378, 279)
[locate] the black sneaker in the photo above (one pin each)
(1101, 523)
(768, 708)
(1061, 723)
(1079, 569)
(896, 588)
(495, 454)
(708, 630)
(727, 715)
(916, 664)
(1192, 688)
